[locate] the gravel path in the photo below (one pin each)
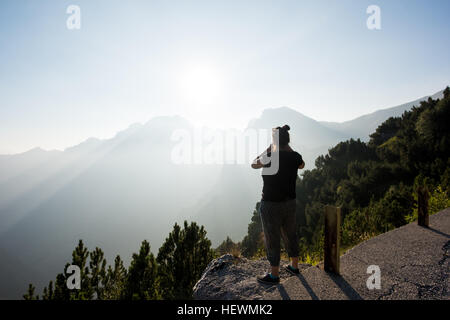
(414, 264)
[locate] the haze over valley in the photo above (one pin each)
(113, 193)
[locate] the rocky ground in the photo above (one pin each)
(234, 278)
(413, 261)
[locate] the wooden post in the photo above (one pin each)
(332, 235)
(422, 207)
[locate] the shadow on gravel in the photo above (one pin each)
(439, 232)
(284, 295)
(307, 287)
(345, 287)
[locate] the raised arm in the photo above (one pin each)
(302, 165)
(257, 162)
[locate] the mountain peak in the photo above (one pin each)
(273, 117)
(284, 111)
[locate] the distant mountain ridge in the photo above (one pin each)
(357, 128)
(361, 127)
(311, 133)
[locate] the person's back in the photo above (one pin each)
(281, 186)
(277, 207)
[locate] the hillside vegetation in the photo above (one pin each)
(170, 275)
(375, 183)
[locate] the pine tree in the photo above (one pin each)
(48, 294)
(142, 278)
(97, 265)
(115, 280)
(79, 258)
(228, 246)
(182, 258)
(61, 291)
(252, 241)
(30, 293)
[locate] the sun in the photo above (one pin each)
(201, 85)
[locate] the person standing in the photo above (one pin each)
(278, 202)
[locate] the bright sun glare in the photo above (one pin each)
(201, 85)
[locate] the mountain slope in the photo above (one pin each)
(363, 126)
(304, 130)
(228, 207)
(308, 136)
(113, 194)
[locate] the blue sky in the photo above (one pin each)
(215, 62)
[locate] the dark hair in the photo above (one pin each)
(284, 138)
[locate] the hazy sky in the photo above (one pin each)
(220, 62)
